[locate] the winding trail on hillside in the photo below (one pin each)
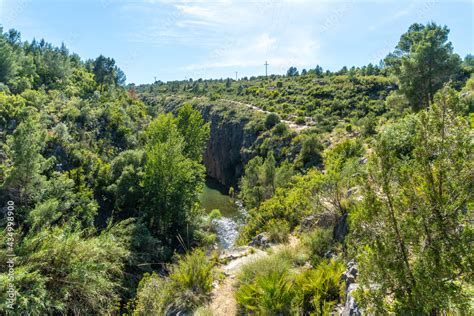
(292, 125)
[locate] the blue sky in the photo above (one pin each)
(213, 39)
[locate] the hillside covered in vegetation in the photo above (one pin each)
(357, 186)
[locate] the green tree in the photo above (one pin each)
(171, 182)
(413, 223)
(423, 61)
(23, 174)
(194, 130)
(107, 73)
(7, 60)
(318, 71)
(262, 178)
(292, 72)
(125, 172)
(251, 192)
(53, 67)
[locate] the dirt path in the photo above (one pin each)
(223, 301)
(292, 125)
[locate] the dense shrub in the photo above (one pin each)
(280, 129)
(269, 286)
(318, 242)
(278, 230)
(319, 289)
(188, 286)
(310, 154)
(300, 120)
(271, 120)
(61, 271)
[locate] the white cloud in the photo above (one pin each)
(197, 11)
(280, 53)
(239, 34)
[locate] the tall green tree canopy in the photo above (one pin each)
(7, 61)
(107, 73)
(413, 224)
(423, 61)
(194, 130)
(172, 180)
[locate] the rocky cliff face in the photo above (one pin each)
(227, 149)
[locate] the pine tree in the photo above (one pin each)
(412, 229)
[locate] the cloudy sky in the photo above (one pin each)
(214, 39)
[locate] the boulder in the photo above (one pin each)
(341, 229)
(351, 308)
(262, 240)
(349, 277)
(351, 273)
(329, 254)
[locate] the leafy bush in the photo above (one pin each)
(188, 286)
(155, 295)
(214, 214)
(368, 124)
(300, 120)
(318, 242)
(60, 271)
(295, 255)
(280, 129)
(264, 286)
(291, 204)
(278, 230)
(310, 154)
(271, 120)
(264, 266)
(343, 152)
(267, 295)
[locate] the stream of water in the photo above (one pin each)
(232, 211)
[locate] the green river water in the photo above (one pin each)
(227, 227)
(212, 197)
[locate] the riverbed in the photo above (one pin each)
(213, 197)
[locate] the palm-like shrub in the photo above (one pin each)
(319, 289)
(268, 294)
(273, 285)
